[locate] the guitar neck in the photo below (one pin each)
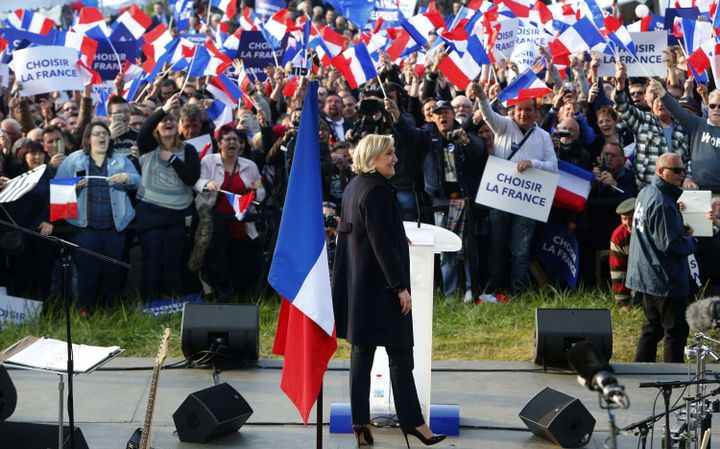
(145, 438)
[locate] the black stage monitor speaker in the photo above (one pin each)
(559, 418)
(26, 435)
(229, 330)
(556, 330)
(210, 413)
(8, 395)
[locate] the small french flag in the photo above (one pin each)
(134, 20)
(241, 203)
(219, 113)
(526, 86)
(420, 26)
(63, 198)
(573, 187)
(33, 22)
(276, 28)
(225, 90)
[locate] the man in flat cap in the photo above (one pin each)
(619, 251)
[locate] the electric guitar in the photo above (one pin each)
(140, 439)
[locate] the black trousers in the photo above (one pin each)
(664, 317)
(407, 404)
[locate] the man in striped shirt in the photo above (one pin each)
(619, 251)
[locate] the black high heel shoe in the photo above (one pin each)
(434, 439)
(363, 435)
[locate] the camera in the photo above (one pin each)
(331, 221)
(370, 106)
(603, 162)
(454, 135)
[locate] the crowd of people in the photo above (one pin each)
(146, 191)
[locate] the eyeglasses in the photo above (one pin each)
(100, 134)
(713, 105)
(676, 170)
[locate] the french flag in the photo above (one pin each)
(82, 43)
(299, 271)
(228, 7)
(219, 113)
(526, 86)
(573, 187)
(334, 42)
(276, 28)
(651, 22)
(420, 26)
(580, 37)
(249, 21)
(356, 65)
(91, 22)
(241, 203)
(225, 90)
(402, 45)
(30, 21)
(134, 20)
(461, 70)
(63, 198)
(619, 34)
(696, 33)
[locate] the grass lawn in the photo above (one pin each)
(461, 332)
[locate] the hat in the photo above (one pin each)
(690, 104)
(442, 104)
(626, 206)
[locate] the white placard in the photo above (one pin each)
(528, 38)
(505, 39)
(649, 46)
(528, 194)
(696, 204)
(16, 310)
(46, 69)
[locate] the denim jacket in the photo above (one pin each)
(122, 209)
(659, 247)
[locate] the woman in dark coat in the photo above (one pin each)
(371, 278)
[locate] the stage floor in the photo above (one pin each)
(110, 404)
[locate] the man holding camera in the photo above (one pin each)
(453, 162)
(520, 140)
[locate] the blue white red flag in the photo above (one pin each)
(526, 86)
(228, 7)
(134, 21)
(618, 33)
(462, 69)
(299, 271)
(225, 90)
(63, 198)
(219, 113)
(240, 203)
(580, 37)
(91, 22)
(276, 27)
(249, 21)
(421, 25)
(356, 65)
(33, 22)
(573, 187)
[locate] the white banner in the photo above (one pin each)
(505, 42)
(649, 46)
(528, 194)
(15, 310)
(46, 69)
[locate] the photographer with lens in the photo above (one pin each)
(375, 118)
(453, 162)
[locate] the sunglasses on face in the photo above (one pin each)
(713, 105)
(676, 170)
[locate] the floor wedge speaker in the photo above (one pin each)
(8, 395)
(558, 418)
(210, 413)
(229, 330)
(28, 435)
(557, 330)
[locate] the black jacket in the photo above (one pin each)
(372, 261)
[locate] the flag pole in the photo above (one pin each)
(319, 419)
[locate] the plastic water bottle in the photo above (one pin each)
(378, 389)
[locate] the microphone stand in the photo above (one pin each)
(65, 247)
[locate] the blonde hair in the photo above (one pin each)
(367, 150)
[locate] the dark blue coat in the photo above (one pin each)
(659, 247)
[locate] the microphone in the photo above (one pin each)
(704, 314)
(595, 373)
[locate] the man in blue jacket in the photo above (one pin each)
(658, 265)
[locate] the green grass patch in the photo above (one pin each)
(460, 332)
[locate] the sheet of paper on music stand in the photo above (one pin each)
(697, 203)
(50, 354)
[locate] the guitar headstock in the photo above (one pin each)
(163, 349)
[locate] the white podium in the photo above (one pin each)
(424, 242)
